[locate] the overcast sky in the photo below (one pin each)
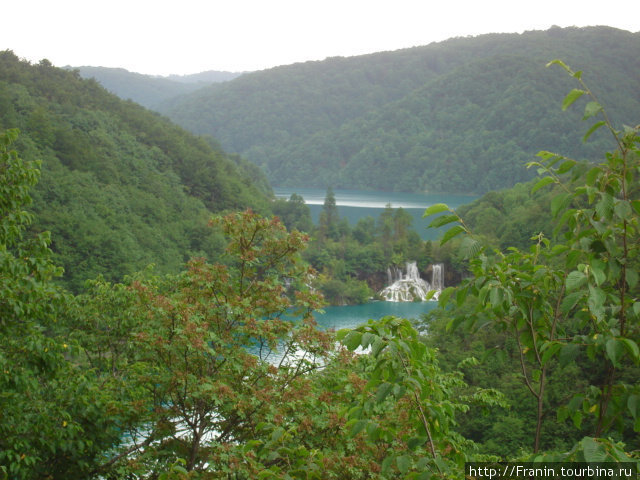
(189, 36)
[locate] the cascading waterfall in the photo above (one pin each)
(437, 277)
(410, 287)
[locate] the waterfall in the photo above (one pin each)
(437, 277)
(410, 287)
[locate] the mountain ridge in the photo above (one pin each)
(151, 90)
(297, 122)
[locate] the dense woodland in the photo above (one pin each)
(210, 365)
(121, 187)
(463, 115)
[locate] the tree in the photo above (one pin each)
(294, 213)
(575, 298)
(404, 376)
(329, 217)
(218, 352)
(53, 421)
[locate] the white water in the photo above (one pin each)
(410, 287)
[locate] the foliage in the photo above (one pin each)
(510, 217)
(53, 417)
(573, 298)
(212, 355)
(405, 371)
(462, 115)
(220, 372)
(293, 213)
(121, 187)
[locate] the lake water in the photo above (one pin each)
(350, 316)
(356, 204)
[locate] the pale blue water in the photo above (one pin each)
(351, 316)
(356, 204)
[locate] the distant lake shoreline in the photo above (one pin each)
(357, 204)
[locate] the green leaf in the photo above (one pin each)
(566, 166)
(576, 418)
(550, 351)
(434, 209)
(591, 109)
(557, 61)
(633, 404)
(352, 340)
(469, 247)
(461, 296)
(562, 414)
(416, 442)
(383, 390)
(544, 181)
(615, 349)
(403, 462)
(452, 232)
(559, 249)
(373, 431)
(496, 296)
(632, 348)
(575, 280)
(367, 339)
(443, 299)
(571, 97)
(592, 450)
(386, 464)
(340, 334)
(593, 128)
(623, 210)
(443, 220)
(357, 427)
(598, 275)
(559, 203)
(378, 346)
(592, 175)
(597, 298)
(604, 208)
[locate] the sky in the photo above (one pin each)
(162, 37)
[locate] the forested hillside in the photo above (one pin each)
(148, 90)
(218, 370)
(462, 115)
(121, 187)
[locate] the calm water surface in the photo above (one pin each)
(351, 316)
(356, 204)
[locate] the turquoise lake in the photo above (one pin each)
(350, 316)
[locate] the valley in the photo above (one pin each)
(437, 247)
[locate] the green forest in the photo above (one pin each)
(157, 304)
(459, 116)
(121, 187)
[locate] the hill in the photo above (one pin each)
(121, 187)
(148, 90)
(457, 116)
